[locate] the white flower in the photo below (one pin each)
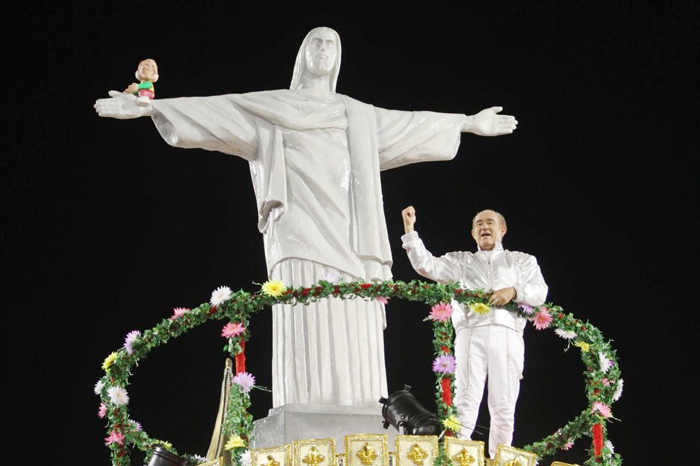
(99, 386)
(565, 334)
(605, 363)
(618, 390)
(199, 459)
(332, 278)
(246, 459)
(610, 447)
(220, 295)
(118, 396)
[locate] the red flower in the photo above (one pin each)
(305, 291)
(212, 310)
(598, 438)
(240, 359)
(364, 286)
(336, 290)
(596, 391)
(446, 387)
(445, 349)
(319, 289)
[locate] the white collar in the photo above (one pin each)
(498, 247)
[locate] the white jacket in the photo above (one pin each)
(475, 271)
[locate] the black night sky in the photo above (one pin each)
(107, 228)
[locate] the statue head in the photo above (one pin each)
(319, 55)
(147, 70)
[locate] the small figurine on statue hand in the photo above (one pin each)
(147, 74)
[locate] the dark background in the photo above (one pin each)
(107, 228)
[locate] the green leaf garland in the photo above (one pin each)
(600, 384)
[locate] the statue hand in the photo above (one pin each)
(409, 218)
(121, 106)
(489, 123)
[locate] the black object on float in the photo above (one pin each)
(402, 409)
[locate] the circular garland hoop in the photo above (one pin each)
(602, 374)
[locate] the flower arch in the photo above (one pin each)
(603, 377)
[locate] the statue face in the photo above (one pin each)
(148, 69)
(488, 229)
(321, 52)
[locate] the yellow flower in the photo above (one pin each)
(583, 345)
(480, 308)
(109, 360)
(452, 423)
(274, 288)
(234, 442)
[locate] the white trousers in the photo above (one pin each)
(497, 354)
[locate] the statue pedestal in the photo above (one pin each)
(292, 422)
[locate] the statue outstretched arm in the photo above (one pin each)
(488, 122)
(121, 106)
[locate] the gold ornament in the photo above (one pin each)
(271, 461)
(313, 458)
(463, 458)
(367, 455)
(417, 455)
(513, 462)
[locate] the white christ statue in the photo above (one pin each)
(315, 158)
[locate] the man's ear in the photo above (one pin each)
(504, 229)
(474, 235)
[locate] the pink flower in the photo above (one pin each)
(605, 381)
(232, 329)
(102, 412)
(245, 380)
(129, 340)
(568, 445)
(382, 300)
(179, 312)
(440, 312)
(445, 364)
(136, 425)
(115, 437)
(526, 308)
(542, 319)
(602, 408)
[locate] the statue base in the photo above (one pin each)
(290, 422)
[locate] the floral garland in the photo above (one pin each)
(603, 382)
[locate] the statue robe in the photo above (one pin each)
(315, 159)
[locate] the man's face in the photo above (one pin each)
(148, 69)
(320, 53)
(488, 229)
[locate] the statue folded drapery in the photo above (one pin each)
(315, 159)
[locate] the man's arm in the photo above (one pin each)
(441, 269)
(531, 288)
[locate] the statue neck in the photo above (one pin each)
(310, 81)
